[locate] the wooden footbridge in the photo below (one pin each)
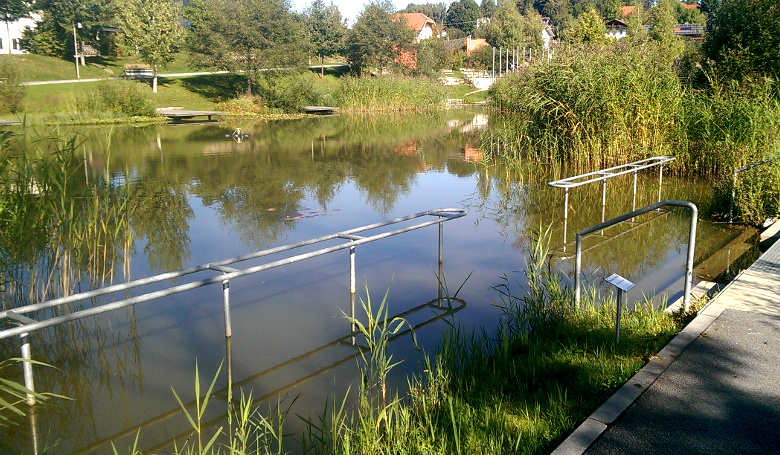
(177, 114)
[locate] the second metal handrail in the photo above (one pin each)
(628, 216)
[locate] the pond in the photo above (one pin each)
(135, 202)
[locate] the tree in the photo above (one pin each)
(664, 20)
(743, 38)
(590, 28)
(246, 35)
(463, 15)
(54, 33)
(488, 8)
(326, 30)
(509, 29)
(11, 11)
(152, 28)
(636, 23)
(436, 11)
(610, 9)
(376, 39)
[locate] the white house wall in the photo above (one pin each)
(11, 35)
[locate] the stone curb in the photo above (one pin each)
(598, 422)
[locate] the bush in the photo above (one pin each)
(11, 92)
(287, 92)
(243, 104)
(117, 99)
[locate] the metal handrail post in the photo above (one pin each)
(441, 261)
(565, 214)
(627, 216)
(29, 382)
(733, 195)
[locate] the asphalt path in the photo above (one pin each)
(720, 396)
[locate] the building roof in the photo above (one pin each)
(417, 21)
(627, 10)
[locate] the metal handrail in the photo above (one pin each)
(25, 324)
(601, 176)
(628, 216)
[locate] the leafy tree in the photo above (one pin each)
(152, 28)
(743, 38)
(246, 35)
(690, 15)
(709, 6)
(610, 9)
(488, 8)
(561, 14)
(590, 28)
(376, 39)
(636, 23)
(326, 29)
(463, 15)
(436, 11)
(509, 29)
(664, 20)
(54, 34)
(13, 10)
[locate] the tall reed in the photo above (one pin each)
(388, 93)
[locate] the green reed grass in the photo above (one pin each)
(388, 93)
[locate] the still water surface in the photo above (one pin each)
(192, 196)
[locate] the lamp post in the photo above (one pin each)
(76, 48)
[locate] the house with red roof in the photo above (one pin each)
(420, 23)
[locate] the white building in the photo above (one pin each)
(11, 36)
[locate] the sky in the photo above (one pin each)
(351, 8)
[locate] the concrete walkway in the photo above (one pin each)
(715, 388)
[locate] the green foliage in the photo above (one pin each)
(431, 57)
(152, 29)
(326, 28)
(388, 93)
(488, 8)
(595, 105)
(114, 98)
(509, 29)
(376, 40)
(11, 90)
(436, 11)
(664, 20)
(13, 395)
(463, 15)
(54, 34)
(589, 28)
(743, 38)
(286, 91)
(246, 35)
(731, 125)
(756, 196)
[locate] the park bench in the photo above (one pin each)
(138, 71)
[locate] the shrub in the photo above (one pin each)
(11, 91)
(288, 92)
(117, 99)
(243, 104)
